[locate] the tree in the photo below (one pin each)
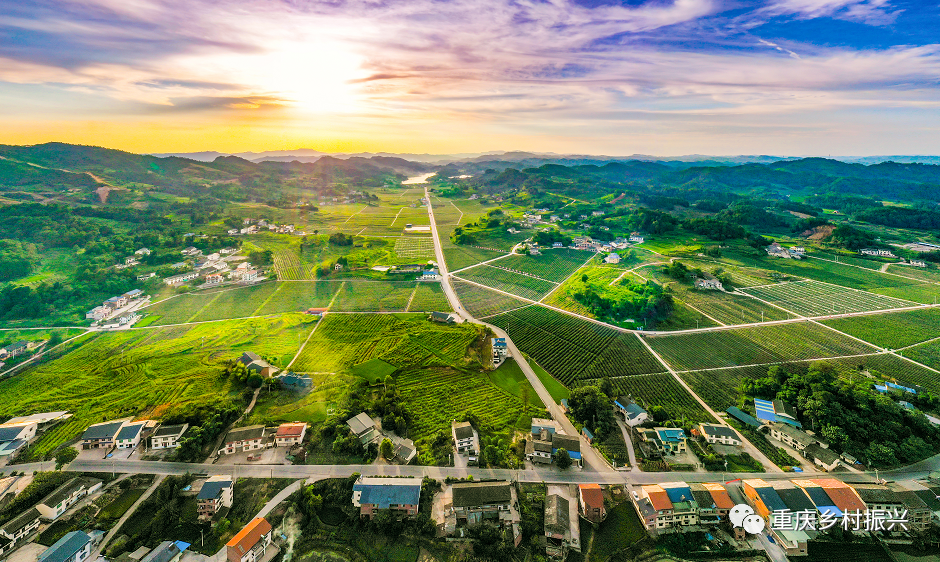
(65, 456)
(385, 449)
(562, 458)
(255, 380)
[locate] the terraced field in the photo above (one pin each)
(570, 348)
(812, 298)
(892, 330)
(514, 283)
(553, 265)
(481, 302)
(747, 346)
(122, 373)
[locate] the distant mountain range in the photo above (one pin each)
(309, 155)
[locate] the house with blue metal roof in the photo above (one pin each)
(370, 494)
(632, 413)
(673, 439)
(73, 547)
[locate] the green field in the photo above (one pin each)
(619, 531)
(892, 330)
(746, 346)
(459, 257)
(553, 264)
(812, 298)
(551, 384)
(373, 296)
(510, 282)
(662, 389)
(928, 354)
(144, 371)
(729, 308)
(931, 275)
(374, 370)
(573, 349)
(482, 302)
(429, 297)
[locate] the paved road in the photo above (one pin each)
(629, 442)
(593, 462)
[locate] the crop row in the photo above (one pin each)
(513, 283)
(428, 297)
(892, 330)
(811, 298)
(373, 296)
(747, 346)
(414, 247)
(554, 265)
(730, 308)
(481, 302)
(663, 390)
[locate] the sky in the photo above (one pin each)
(660, 77)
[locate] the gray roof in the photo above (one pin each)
(566, 442)
(929, 498)
(245, 433)
(248, 357)
(475, 494)
(557, 520)
(105, 430)
(360, 423)
(797, 435)
(65, 548)
(719, 431)
(130, 431)
(22, 520)
(827, 456)
(67, 489)
(165, 551)
(167, 430)
(10, 433)
(212, 490)
(874, 493)
(463, 430)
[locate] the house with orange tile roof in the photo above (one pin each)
(251, 543)
(591, 501)
(654, 507)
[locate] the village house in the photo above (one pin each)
(877, 253)
(475, 502)
(591, 502)
(597, 213)
(253, 363)
(191, 251)
(19, 528)
(98, 313)
(665, 440)
(557, 526)
(251, 543)
(146, 276)
(129, 435)
(636, 238)
(793, 437)
(775, 250)
(444, 317)
(612, 257)
(101, 435)
(429, 275)
(214, 279)
(243, 439)
(293, 381)
(918, 263)
(167, 551)
(216, 493)
(73, 547)
(15, 436)
(290, 434)
(632, 413)
(466, 439)
(365, 428)
(500, 350)
(398, 494)
(143, 252)
(65, 496)
(709, 284)
(233, 232)
(181, 278)
(721, 434)
(168, 436)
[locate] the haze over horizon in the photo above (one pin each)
(595, 77)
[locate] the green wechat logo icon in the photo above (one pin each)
(742, 515)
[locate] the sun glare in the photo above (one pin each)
(313, 77)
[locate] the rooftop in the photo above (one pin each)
(557, 520)
(130, 431)
(249, 536)
(385, 492)
(168, 430)
(65, 548)
(463, 430)
(719, 431)
(360, 423)
(105, 430)
(245, 433)
(474, 494)
(291, 429)
(212, 489)
(592, 495)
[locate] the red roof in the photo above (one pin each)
(247, 538)
(290, 429)
(658, 497)
(719, 496)
(592, 496)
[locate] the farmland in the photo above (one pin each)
(567, 347)
(812, 298)
(415, 248)
(662, 389)
(552, 265)
(482, 302)
(513, 283)
(730, 308)
(459, 257)
(748, 346)
(344, 340)
(376, 296)
(436, 396)
(928, 354)
(124, 373)
(892, 330)
(428, 297)
(928, 275)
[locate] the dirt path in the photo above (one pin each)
(127, 514)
